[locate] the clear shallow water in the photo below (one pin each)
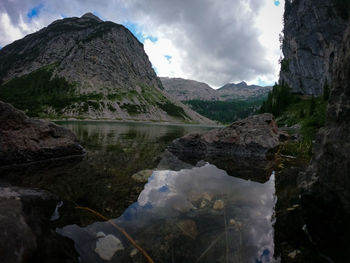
(192, 215)
(182, 213)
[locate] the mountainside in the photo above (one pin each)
(185, 90)
(86, 68)
(242, 91)
(313, 31)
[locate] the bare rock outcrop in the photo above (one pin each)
(24, 140)
(233, 148)
(313, 30)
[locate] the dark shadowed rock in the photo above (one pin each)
(26, 235)
(327, 180)
(245, 143)
(24, 140)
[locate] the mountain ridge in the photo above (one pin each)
(86, 68)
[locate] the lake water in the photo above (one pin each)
(177, 212)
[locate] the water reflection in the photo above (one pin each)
(199, 214)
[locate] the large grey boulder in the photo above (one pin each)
(24, 140)
(234, 148)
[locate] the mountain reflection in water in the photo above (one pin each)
(199, 214)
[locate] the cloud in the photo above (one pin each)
(206, 40)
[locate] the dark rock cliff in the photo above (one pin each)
(326, 184)
(313, 30)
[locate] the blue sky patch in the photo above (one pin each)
(264, 83)
(35, 11)
(277, 2)
(137, 32)
(168, 57)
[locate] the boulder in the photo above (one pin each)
(24, 140)
(235, 147)
(25, 227)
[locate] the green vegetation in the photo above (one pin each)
(225, 111)
(38, 91)
(172, 109)
(308, 112)
(284, 65)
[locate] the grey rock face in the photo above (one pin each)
(313, 30)
(233, 148)
(242, 91)
(24, 225)
(185, 89)
(24, 140)
(104, 62)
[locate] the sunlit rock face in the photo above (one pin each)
(313, 31)
(86, 68)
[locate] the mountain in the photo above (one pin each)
(86, 68)
(242, 91)
(313, 31)
(185, 90)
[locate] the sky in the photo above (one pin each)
(211, 41)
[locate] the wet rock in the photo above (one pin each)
(142, 176)
(24, 140)
(247, 143)
(25, 227)
(218, 205)
(294, 253)
(188, 227)
(107, 245)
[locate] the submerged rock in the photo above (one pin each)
(233, 148)
(24, 224)
(24, 140)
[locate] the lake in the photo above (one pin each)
(176, 211)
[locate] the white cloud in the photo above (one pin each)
(210, 41)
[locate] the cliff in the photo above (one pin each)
(313, 30)
(86, 68)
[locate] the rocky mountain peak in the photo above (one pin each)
(91, 16)
(87, 68)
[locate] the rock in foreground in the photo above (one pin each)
(24, 140)
(233, 148)
(25, 227)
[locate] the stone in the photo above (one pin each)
(24, 140)
(25, 227)
(142, 176)
(219, 205)
(107, 246)
(188, 227)
(244, 148)
(294, 253)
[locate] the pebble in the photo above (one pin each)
(218, 205)
(294, 253)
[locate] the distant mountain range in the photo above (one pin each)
(185, 90)
(86, 68)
